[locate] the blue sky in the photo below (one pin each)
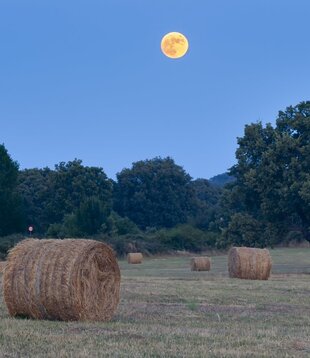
(86, 79)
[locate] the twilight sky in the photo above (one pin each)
(86, 78)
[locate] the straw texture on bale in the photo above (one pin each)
(65, 280)
(249, 263)
(200, 264)
(135, 258)
(2, 266)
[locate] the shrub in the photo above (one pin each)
(7, 242)
(185, 237)
(244, 230)
(118, 225)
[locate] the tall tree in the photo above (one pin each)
(50, 195)
(35, 189)
(154, 193)
(10, 215)
(90, 216)
(205, 202)
(273, 172)
(72, 184)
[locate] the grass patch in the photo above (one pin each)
(168, 310)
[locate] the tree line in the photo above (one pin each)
(156, 206)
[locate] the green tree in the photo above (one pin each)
(72, 184)
(272, 173)
(35, 189)
(184, 237)
(10, 214)
(154, 193)
(91, 215)
(244, 230)
(205, 203)
(117, 225)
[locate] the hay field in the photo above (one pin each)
(166, 310)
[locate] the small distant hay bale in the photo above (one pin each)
(135, 258)
(249, 263)
(2, 266)
(66, 280)
(200, 264)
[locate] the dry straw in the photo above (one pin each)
(249, 263)
(135, 258)
(62, 280)
(2, 266)
(200, 264)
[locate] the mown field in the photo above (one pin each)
(168, 311)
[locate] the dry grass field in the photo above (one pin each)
(166, 310)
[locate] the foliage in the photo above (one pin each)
(35, 189)
(56, 231)
(154, 193)
(10, 211)
(294, 236)
(93, 218)
(117, 225)
(221, 180)
(155, 206)
(74, 183)
(7, 242)
(272, 174)
(142, 242)
(244, 230)
(90, 216)
(185, 237)
(181, 237)
(205, 203)
(51, 197)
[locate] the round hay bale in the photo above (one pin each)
(135, 258)
(65, 280)
(2, 266)
(249, 263)
(200, 264)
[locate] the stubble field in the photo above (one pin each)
(168, 311)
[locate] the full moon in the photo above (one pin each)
(174, 45)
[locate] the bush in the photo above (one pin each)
(7, 242)
(90, 216)
(56, 231)
(118, 225)
(244, 230)
(186, 237)
(295, 236)
(181, 237)
(124, 244)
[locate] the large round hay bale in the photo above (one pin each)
(135, 258)
(62, 280)
(200, 264)
(249, 263)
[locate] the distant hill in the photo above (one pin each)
(221, 180)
